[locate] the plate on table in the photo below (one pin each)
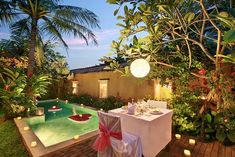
(156, 112)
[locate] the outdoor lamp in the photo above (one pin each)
(140, 68)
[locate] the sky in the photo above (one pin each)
(79, 54)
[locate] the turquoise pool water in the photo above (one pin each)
(56, 127)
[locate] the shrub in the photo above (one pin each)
(106, 104)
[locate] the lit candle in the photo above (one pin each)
(57, 99)
(80, 115)
(81, 105)
(19, 118)
(66, 101)
(33, 144)
(53, 106)
(187, 152)
(26, 128)
(191, 141)
(101, 109)
(76, 137)
(177, 136)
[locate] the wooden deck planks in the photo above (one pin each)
(174, 149)
(200, 149)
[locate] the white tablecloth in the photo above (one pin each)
(154, 131)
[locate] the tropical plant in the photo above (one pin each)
(14, 95)
(35, 18)
(178, 38)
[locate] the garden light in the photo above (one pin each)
(187, 152)
(33, 144)
(191, 141)
(177, 136)
(76, 137)
(140, 68)
(26, 128)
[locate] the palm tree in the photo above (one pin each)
(38, 18)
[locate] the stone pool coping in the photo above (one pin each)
(40, 150)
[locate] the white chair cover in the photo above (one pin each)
(129, 146)
(158, 104)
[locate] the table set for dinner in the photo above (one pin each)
(151, 123)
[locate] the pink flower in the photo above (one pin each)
(202, 72)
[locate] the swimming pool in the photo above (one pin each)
(55, 127)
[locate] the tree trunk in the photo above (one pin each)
(32, 46)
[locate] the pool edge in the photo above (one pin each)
(40, 150)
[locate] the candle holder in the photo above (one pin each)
(187, 152)
(76, 137)
(192, 141)
(26, 128)
(33, 144)
(178, 136)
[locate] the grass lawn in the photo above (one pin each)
(10, 140)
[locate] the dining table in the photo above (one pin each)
(154, 130)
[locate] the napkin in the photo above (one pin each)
(131, 108)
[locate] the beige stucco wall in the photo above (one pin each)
(124, 87)
(120, 86)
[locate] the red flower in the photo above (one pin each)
(202, 72)
(6, 87)
(30, 74)
(82, 117)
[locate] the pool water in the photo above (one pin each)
(56, 127)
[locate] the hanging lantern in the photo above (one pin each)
(140, 68)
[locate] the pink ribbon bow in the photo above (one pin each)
(103, 140)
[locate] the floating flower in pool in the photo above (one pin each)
(54, 108)
(80, 118)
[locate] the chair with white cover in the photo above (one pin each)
(157, 104)
(112, 142)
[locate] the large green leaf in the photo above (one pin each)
(229, 36)
(220, 134)
(231, 135)
(208, 118)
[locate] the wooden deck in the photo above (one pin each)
(200, 149)
(174, 149)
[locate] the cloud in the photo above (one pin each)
(4, 35)
(100, 36)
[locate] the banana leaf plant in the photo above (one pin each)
(14, 94)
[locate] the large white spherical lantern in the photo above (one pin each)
(140, 68)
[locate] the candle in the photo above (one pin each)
(53, 106)
(177, 136)
(101, 109)
(19, 118)
(191, 141)
(187, 152)
(80, 115)
(26, 128)
(76, 137)
(81, 105)
(33, 144)
(66, 101)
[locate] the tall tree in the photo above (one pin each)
(179, 38)
(42, 18)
